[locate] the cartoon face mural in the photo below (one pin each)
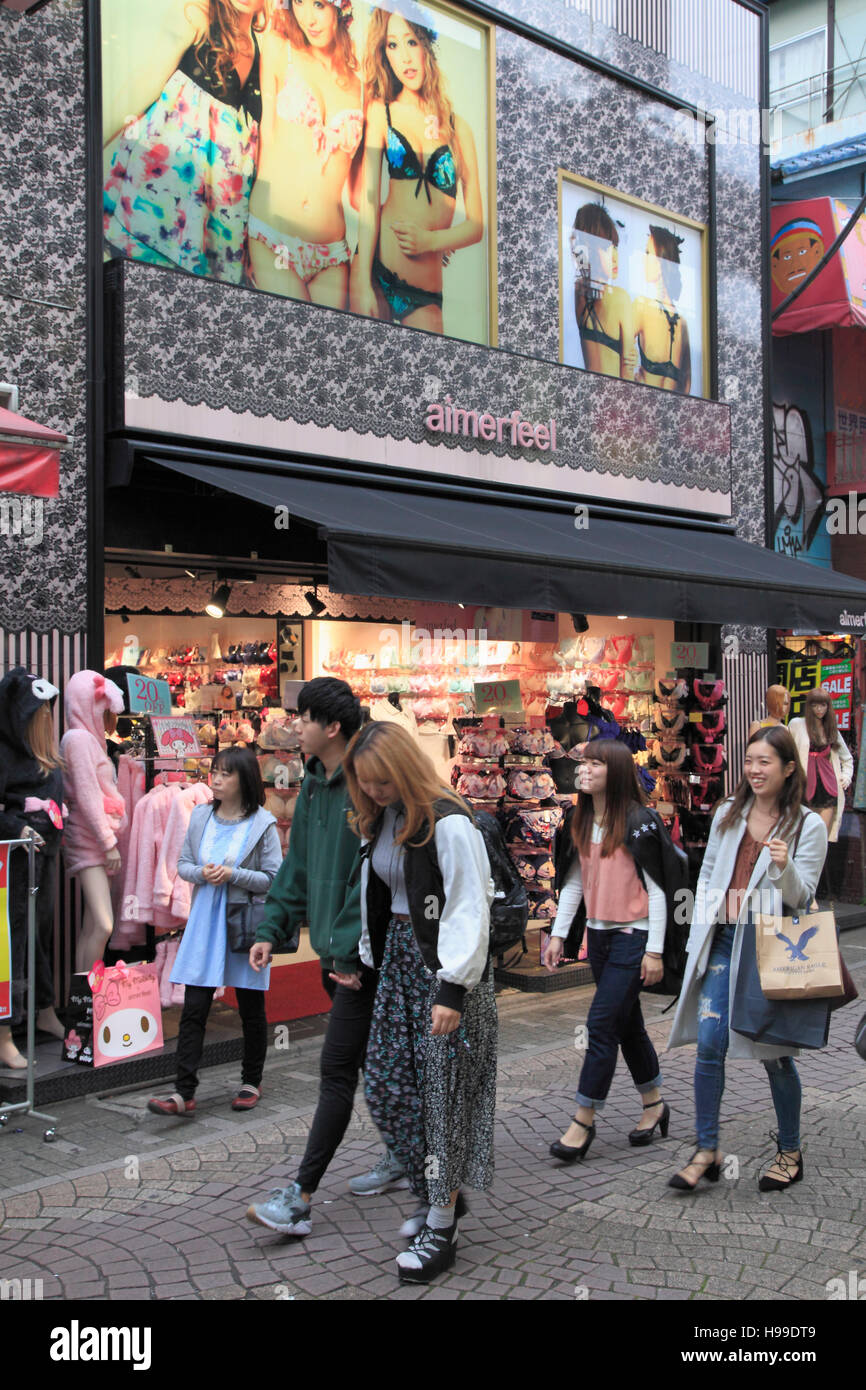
(126, 1032)
(795, 250)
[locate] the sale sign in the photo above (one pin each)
(148, 696)
(498, 697)
(838, 677)
(5, 940)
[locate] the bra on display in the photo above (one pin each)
(668, 723)
(710, 728)
(709, 757)
(538, 872)
(531, 784)
(673, 690)
(709, 694)
(618, 650)
(483, 743)
(706, 793)
(484, 786)
(669, 758)
(536, 829)
(641, 680)
(534, 741)
(590, 648)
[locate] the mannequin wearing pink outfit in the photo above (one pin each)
(97, 814)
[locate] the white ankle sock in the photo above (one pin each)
(440, 1218)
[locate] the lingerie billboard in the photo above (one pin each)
(333, 151)
(632, 289)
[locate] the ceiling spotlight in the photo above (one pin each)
(132, 571)
(316, 605)
(622, 617)
(219, 600)
(580, 623)
(124, 617)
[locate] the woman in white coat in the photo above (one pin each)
(823, 755)
(764, 848)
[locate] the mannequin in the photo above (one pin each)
(31, 797)
(824, 758)
(778, 703)
(96, 812)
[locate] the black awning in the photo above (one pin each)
(387, 541)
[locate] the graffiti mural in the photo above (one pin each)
(798, 489)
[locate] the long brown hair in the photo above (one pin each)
(42, 740)
(219, 47)
(286, 25)
(827, 728)
(622, 793)
(381, 83)
(383, 752)
(791, 797)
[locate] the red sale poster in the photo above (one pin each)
(5, 944)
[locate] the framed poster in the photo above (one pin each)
(334, 151)
(633, 288)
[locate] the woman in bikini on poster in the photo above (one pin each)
(430, 152)
(312, 123)
(603, 310)
(661, 331)
(178, 174)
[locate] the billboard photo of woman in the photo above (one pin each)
(181, 131)
(312, 124)
(602, 309)
(418, 136)
(662, 331)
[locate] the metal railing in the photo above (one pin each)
(814, 101)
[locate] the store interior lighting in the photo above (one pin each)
(317, 607)
(219, 600)
(580, 623)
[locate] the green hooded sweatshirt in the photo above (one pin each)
(312, 886)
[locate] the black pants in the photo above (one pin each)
(343, 1053)
(190, 1038)
(46, 882)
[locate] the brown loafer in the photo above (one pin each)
(246, 1098)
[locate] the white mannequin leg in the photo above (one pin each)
(98, 917)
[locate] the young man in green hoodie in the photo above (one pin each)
(318, 886)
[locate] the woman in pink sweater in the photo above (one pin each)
(96, 810)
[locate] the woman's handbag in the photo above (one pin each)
(243, 920)
(774, 1022)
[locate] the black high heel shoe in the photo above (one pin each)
(712, 1172)
(768, 1184)
(571, 1153)
(639, 1138)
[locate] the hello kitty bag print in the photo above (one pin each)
(127, 1015)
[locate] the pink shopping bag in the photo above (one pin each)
(127, 1017)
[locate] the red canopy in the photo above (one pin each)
(800, 233)
(29, 456)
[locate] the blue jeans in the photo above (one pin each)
(713, 1046)
(615, 1018)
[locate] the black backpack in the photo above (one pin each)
(509, 911)
(677, 886)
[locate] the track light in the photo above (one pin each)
(219, 601)
(316, 605)
(580, 623)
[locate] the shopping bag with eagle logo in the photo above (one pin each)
(798, 956)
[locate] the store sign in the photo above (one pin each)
(452, 419)
(5, 941)
(799, 676)
(690, 654)
(856, 621)
(148, 696)
(498, 697)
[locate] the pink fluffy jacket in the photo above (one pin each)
(96, 811)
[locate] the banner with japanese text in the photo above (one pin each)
(802, 674)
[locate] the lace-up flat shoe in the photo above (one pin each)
(431, 1253)
(386, 1173)
(792, 1168)
(285, 1211)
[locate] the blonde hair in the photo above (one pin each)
(381, 83)
(42, 740)
(219, 47)
(383, 752)
(284, 23)
(777, 698)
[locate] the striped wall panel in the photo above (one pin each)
(56, 656)
(746, 684)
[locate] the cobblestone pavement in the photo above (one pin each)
(126, 1205)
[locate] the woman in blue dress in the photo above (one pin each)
(231, 854)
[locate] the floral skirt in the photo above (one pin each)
(433, 1099)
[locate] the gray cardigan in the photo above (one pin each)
(794, 886)
(254, 875)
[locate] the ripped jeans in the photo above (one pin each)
(712, 1047)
